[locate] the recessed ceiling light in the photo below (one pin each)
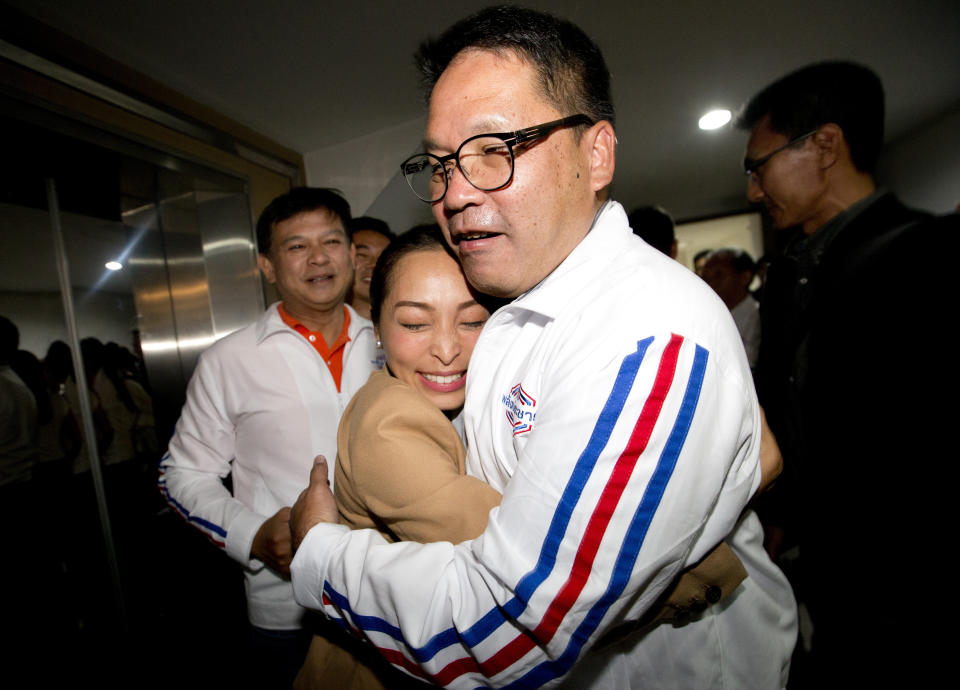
(715, 119)
(113, 265)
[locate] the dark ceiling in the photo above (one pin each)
(317, 74)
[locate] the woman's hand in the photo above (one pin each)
(315, 504)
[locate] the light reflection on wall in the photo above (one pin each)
(167, 346)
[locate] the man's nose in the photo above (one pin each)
(755, 192)
(319, 254)
(460, 192)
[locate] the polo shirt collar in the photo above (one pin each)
(271, 323)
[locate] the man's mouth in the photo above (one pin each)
(473, 236)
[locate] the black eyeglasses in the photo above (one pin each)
(486, 160)
(750, 165)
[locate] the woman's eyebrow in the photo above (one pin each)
(411, 303)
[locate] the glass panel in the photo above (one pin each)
(58, 581)
(187, 275)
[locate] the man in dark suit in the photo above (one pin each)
(848, 371)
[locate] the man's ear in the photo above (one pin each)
(602, 141)
(266, 268)
(831, 144)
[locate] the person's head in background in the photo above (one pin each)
(729, 272)
(370, 237)
(815, 138)
(305, 250)
(655, 226)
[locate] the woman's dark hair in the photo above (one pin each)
(417, 239)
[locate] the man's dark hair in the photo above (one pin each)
(571, 71)
(654, 226)
(300, 200)
(373, 224)
(845, 93)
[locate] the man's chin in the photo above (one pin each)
(491, 286)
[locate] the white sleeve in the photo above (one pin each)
(614, 493)
(199, 456)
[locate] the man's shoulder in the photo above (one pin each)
(892, 234)
(240, 344)
(639, 283)
(634, 294)
(234, 342)
(878, 223)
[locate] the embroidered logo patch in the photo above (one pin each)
(521, 410)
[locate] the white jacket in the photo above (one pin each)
(613, 406)
(260, 405)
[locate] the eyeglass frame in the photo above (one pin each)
(751, 166)
(511, 139)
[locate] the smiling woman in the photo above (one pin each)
(428, 324)
(400, 461)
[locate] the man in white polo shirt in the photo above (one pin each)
(266, 399)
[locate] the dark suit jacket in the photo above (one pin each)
(855, 375)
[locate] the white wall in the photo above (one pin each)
(363, 168)
(741, 231)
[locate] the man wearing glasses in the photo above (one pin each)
(845, 373)
(610, 401)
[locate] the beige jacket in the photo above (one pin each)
(400, 468)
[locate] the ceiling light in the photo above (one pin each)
(715, 119)
(113, 265)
